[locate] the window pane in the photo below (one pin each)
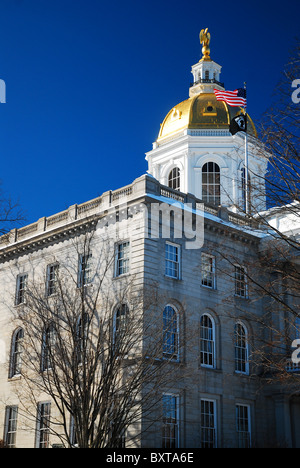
(207, 344)
(85, 271)
(208, 271)
(17, 349)
(44, 425)
(172, 261)
(122, 259)
(11, 426)
(21, 288)
(211, 183)
(51, 279)
(241, 349)
(243, 426)
(208, 429)
(174, 179)
(170, 333)
(170, 421)
(240, 282)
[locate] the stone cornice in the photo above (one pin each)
(79, 218)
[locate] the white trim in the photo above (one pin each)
(246, 371)
(214, 276)
(213, 365)
(38, 422)
(178, 246)
(177, 399)
(241, 267)
(116, 262)
(214, 401)
(248, 406)
(177, 359)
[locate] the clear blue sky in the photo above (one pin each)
(88, 83)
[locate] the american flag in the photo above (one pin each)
(233, 98)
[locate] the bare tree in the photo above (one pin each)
(98, 348)
(11, 213)
(273, 275)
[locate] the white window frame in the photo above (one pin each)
(16, 353)
(51, 279)
(48, 346)
(21, 287)
(211, 185)
(168, 427)
(207, 341)
(240, 284)
(122, 258)
(176, 264)
(175, 355)
(84, 270)
(174, 178)
(43, 443)
(239, 350)
(120, 319)
(10, 426)
(204, 427)
(73, 439)
(211, 273)
(243, 435)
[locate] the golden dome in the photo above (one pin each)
(202, 111)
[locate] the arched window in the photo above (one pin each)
(211, 183)
(207, 341)
(243, 180)
(174, 179)
(241, 348)
(170, 333)
(48, 343)
(16, 353)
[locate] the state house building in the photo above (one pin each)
(223, 398)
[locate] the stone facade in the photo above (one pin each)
(214, 382)
(183, 236)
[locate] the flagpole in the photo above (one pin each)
(246, 162)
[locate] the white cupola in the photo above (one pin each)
(195, 151)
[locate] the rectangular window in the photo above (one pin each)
(84, 270)
(43, 425)
(243, 426)
(240, 277)
(122, 259)
(73, 436)
(170, 421)
(208, 271)
(208, 424)
(52, 271)
(10, 430)
(172, 260)
(21, 288)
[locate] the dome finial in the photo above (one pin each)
(205, 41)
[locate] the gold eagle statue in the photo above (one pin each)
(205, 41)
